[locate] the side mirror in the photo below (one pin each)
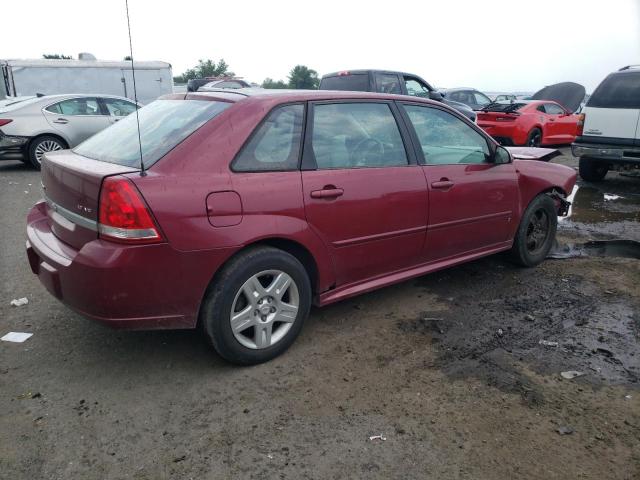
(435, 95)
(501, 156)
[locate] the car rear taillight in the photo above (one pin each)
(124, 216)
(344, 73)
(4, 121)
(580, 124)
(506, 118)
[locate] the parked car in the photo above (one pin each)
(197, 84)
(309, 197)
(505, 98)
(32, 126)
(386, 81)
(471, 97)
(548, 119)
(609, 127)
(529, 122)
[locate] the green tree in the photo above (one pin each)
(271, 83)
(56, 56)
(302, 77)
(205, 68)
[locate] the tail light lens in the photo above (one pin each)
(506, 119)
(580, 128)
(4, 121)
(123, 214)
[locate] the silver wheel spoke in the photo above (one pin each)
(279, 285)
(287, 313)
(263, 335)
(253, 289)
(242, 320)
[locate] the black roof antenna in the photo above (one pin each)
(135, 93)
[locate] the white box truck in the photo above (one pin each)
(87, 75)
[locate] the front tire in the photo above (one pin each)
(41, 145)
(592, 170)
(255, 308)
(536, 232)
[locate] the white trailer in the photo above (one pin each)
(49, 77)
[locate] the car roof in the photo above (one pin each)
(240, 94)
(460, 89)
(367, 70)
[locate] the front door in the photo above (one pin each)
(472, 202)
(363, 194)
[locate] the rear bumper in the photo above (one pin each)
(505, 134)
(130, 287)
(10, 144)
(613, 153)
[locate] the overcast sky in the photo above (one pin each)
(492, 45)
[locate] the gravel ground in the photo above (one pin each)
(448, 368)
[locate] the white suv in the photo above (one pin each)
(609, 128)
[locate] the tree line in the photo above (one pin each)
(300, 76)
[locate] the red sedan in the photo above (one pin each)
(238, 211)
(529, 122)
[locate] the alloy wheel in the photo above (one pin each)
(46, 146)
(264, 309)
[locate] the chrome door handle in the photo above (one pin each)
(61, 120)
(443, 184)
(327, 192)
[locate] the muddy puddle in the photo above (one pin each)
(596, 248)
(610, 210)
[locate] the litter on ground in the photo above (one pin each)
(16, 337)
(19, 301)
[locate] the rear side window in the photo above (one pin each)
(163, 125)
(275, 145)
(619, 90)
(76, 106)
(445, 139)
(358, 82)
(352, 135)
(387, 83)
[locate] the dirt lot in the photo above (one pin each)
(448, 368)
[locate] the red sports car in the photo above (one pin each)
(546, 119)
(238, 210)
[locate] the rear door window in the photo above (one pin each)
(355, 135)
(357, 82)
(416, 88)
(275, 145)
(445, 139)
(619, 90)
(76, 106)
(387, 83)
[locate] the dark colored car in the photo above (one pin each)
(390, 82)
(474, 99)
(251, 207)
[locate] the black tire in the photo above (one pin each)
(534, 139)
(593, 170)
(536, 232)
(51, 142)
(221, 296)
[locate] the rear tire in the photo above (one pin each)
(534, 139)
(592, 170)
(255, 308)
(41, 145)
(536, 232)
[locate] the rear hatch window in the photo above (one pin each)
(618, 90)
(163, 125)
(358, 82)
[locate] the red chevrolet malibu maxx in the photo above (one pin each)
(251, 206)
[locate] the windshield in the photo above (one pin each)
(163, 125)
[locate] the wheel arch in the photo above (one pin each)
(47, 134)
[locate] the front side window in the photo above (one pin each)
(119, 108)
(163, 125)
(416, 88)
(352, 135)
(445, 139)
(387, 83)
(553, 109)
(76, 106)
(275, 145)
(481, 99)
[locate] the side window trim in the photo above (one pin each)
(414, 136)
(258, 127)
(308, 157)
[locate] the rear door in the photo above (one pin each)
(77, 118)
(364, 194)
(472, 202)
